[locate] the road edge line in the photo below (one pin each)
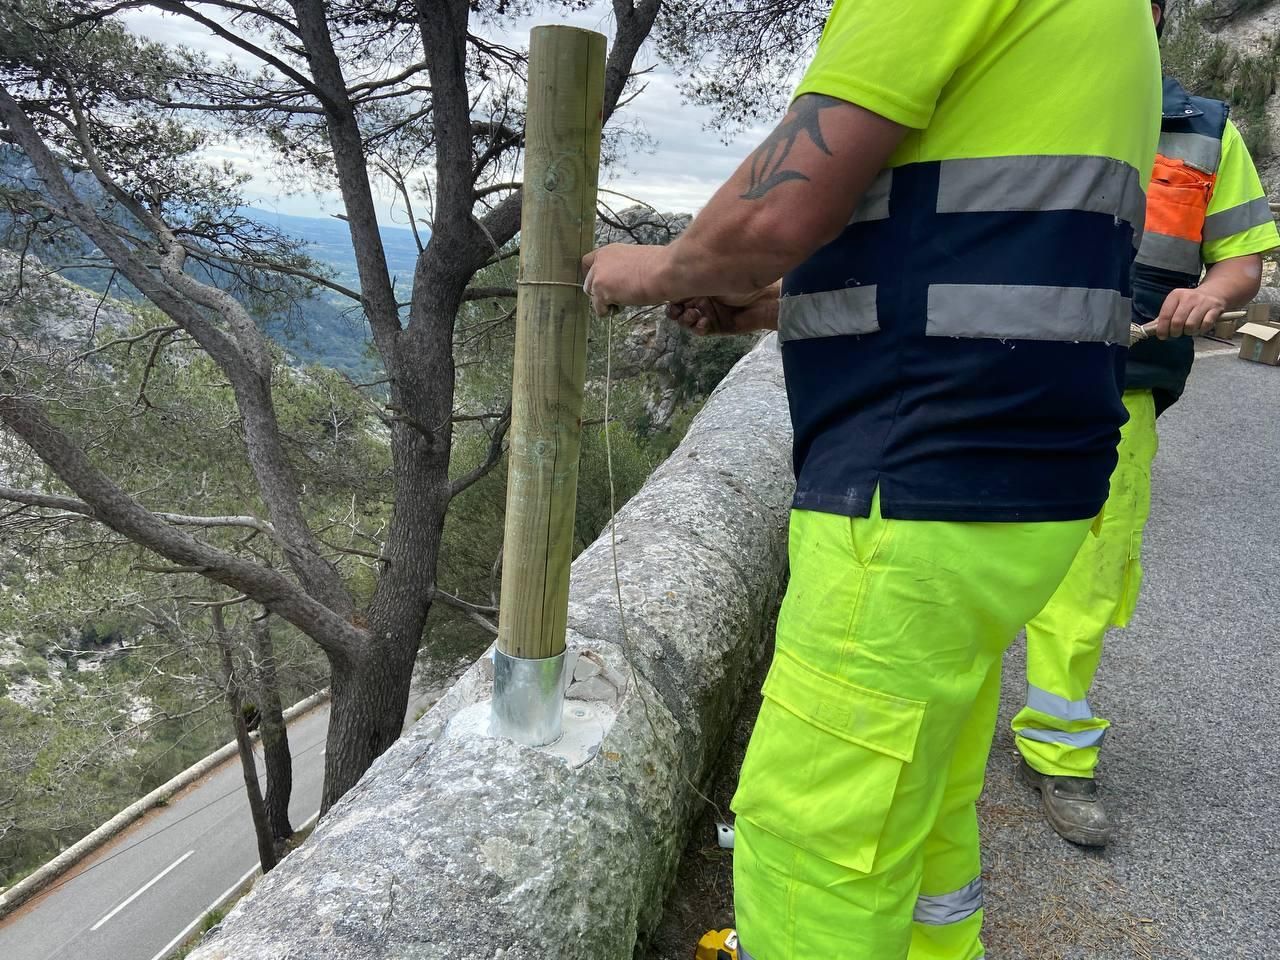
(44, 876)
(182, 937)
(190, 928)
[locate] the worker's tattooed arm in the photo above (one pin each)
(794, 194)
(768, 165)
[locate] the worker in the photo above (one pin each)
(1205, 208)
(952, 203)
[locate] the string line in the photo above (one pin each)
(636, 676)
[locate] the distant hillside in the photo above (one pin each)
(330, 329)
(326, 329)
(1230, 50)
(330, 242)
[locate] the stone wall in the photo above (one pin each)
(457, 845)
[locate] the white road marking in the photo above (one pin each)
(143, 889)
(181, 938)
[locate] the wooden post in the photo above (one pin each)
(562, 161)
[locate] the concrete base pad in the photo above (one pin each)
(585, 724)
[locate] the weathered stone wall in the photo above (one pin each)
(463, 846)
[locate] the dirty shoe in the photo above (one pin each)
(1072, 805)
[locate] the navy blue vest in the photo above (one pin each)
(1191, 130)
(961, 344)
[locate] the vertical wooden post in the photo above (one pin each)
(562, 161)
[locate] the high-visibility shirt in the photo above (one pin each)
(1204, 204)
(961, 344)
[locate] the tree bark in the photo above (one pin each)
(367, 711)
(122, 513)
(235, 705)
(371, 651)
(274, 734)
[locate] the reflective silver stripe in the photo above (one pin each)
(1203, 153)
(1169, 253)
(1237, 219)
(1015, 312)
(997, 184)
(951, 907)
(1056, 706)
(832, 313)
(1080, 739)
(874, 204)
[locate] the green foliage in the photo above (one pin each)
(123, 639)
(67, 771)
(129, 693)
(1210, 66)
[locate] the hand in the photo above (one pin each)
(726, 315)
(624, 275)
(1189, 312)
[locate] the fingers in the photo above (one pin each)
(599, 302)
(690, 317)
(1165, 318)
(1181, 317)
(1188, 313)
(1208, 317)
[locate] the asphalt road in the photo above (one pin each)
(1191, 766)
(143, 894)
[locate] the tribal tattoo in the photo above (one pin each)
(767, 162)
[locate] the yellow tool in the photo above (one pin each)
(718, 945)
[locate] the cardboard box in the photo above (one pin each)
(1261, 343)
(1224, 329)
(1257, 313)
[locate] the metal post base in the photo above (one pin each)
(528, 698)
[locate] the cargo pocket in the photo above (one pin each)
(1132, 582)
(824, 762)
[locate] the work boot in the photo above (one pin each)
(1072, 805)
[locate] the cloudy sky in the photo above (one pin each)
(679, 173)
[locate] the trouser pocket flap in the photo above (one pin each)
(877, 721)
(824, 761)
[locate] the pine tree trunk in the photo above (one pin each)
(368, 702)
(235, 706)
(274, 734)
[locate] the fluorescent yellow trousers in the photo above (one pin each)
(1057, 731)
(856, 835)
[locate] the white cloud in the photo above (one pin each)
(681, 171)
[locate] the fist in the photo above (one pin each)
(624, 275)
(713, 315)
(1188, 312)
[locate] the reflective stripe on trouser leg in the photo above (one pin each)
(885, 643)
(1057, 731)
(948, 912)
